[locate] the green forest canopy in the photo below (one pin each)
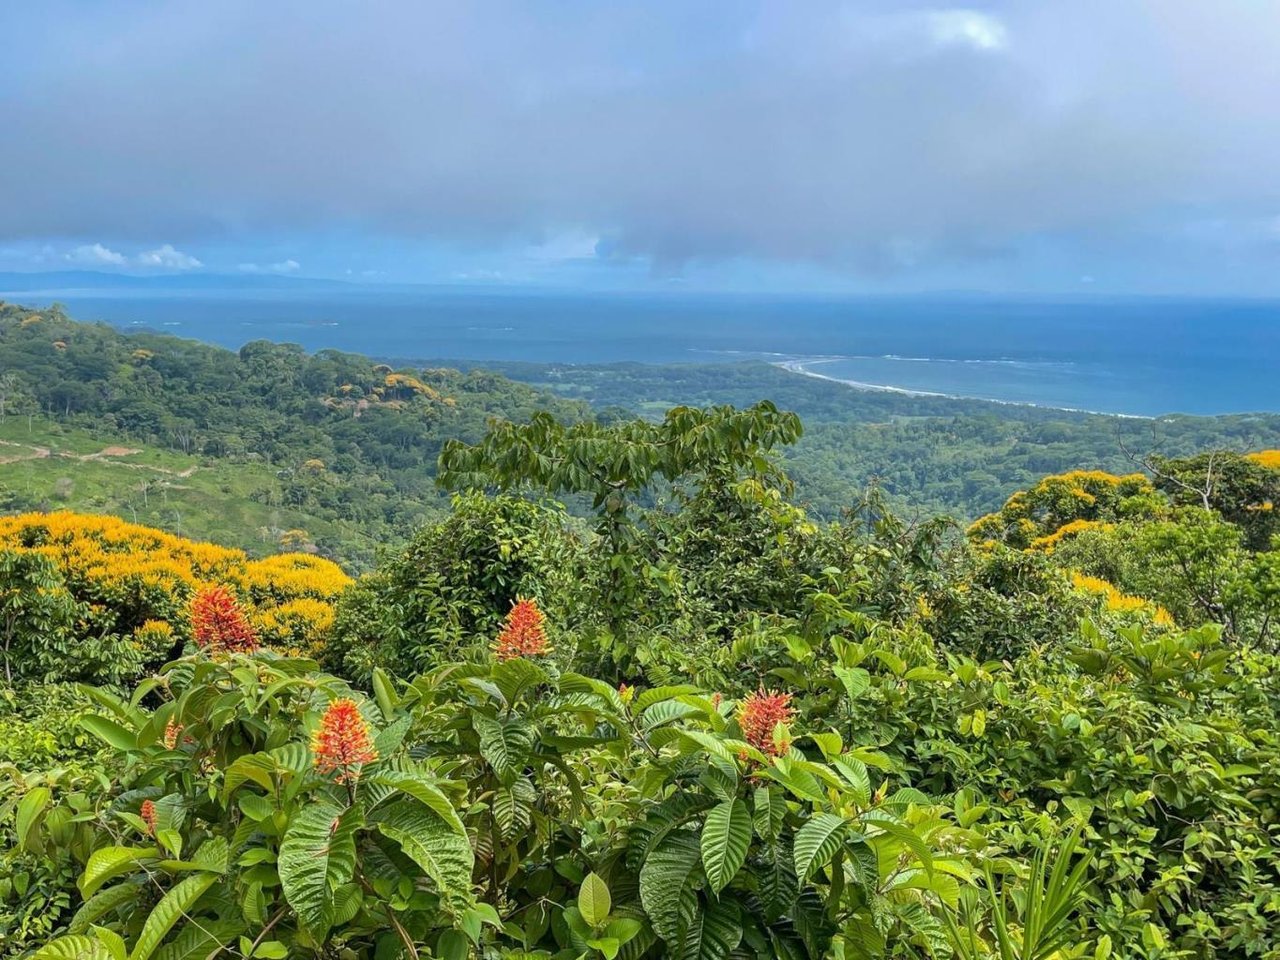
(342, 448)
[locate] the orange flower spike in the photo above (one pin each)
(148, 814)
(523, 634)
(759, 714)
(342, 742)
(172, 731)
(219, 624)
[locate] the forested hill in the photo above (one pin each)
(337, 438)
(930, 454)
(336, 452)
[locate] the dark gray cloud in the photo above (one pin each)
(864, 136)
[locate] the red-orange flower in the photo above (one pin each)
(759, 714)
(522, 633)
(219, 624)
(342, 742)
(148, 814)
(172, 730)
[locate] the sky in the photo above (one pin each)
(1069, 146)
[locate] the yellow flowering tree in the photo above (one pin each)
(136, 584)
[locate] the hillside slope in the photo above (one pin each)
(332, 443)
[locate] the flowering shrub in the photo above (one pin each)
(1032, 517)
(342, 742)
(502, 808)
(764, 717)
(218, 625)
(132, 588)
(523, 633)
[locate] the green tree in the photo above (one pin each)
(615, 464)
(37, 616)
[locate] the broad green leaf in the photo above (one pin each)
(453, 945)
(713, 933)
(649, 697)
(855, 680)
(829, 743)
(504, 744)
(347, 900)
(253, 904)
(912, 840)
(102, 903)
(387, 741)
(113, 942)
(75, 947)
(891, 660)
(108, 862)
(432, 843)
(855, 774)
(623, 929)
(726, 835)
(421, 787)
(816, 843)
(110, 732)
(777, 880)
(255, 767)
(668, 883)
(514, 677)
(255, 806)
(594, 902)
(929, 674)
(770, 811)
(317, 854)
(172, 907)
(30, 808)
(667, 711)
(513, 808)
(384, 692)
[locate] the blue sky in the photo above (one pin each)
(1059, 146)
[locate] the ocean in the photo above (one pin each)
(1140, 357)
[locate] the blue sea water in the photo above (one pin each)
(1141, 357)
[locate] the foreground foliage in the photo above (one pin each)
(710, 728)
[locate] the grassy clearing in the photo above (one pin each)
(236, 504)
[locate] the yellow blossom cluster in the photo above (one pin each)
(1033, 517)
(1049, 542)
(1267, 458)
(138, 580)
(398, 382)
(1118, 602)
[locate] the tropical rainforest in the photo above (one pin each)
(270, 448)
(481, 669)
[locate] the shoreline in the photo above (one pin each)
(801, 367)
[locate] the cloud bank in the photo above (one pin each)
(864, 137)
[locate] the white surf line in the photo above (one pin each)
(801, 367)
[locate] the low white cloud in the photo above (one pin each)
(96, 255)
(280, 266)
(167, 258)
(969, 28)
